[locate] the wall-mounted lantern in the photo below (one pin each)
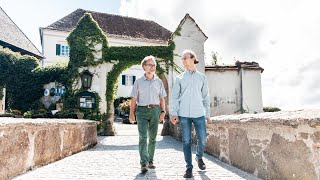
(86, 79)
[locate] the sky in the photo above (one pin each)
(283, 36)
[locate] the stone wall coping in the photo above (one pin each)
(8, 121)
(290, 118)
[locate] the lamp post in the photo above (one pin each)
(86, 79)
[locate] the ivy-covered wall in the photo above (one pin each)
(83, 41)
(24, 79)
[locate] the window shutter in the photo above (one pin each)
(58, 49)
(133, 79)
(123, 79)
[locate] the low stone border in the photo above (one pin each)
(28, 143)
(280, 145)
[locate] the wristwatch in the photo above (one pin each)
(163, 111)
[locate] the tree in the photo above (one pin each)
(214, 56)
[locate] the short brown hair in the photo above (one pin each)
(192, 55)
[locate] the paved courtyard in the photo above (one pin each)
(117, 157)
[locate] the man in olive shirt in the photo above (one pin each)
(148, 95)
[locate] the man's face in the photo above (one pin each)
(150, 66)
(187, 61)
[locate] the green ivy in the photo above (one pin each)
(177, 32)
(1, 92)
(81, 55)
(24, 79)
(82, 41)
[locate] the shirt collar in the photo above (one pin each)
(192, 72)
(145, 78)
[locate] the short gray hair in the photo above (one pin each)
(192, 55)
(147, 58)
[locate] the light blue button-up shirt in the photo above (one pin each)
(190, 95)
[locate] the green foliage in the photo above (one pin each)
(271, 109)
(1, 91)
(214, 57)
(81, 54)
(6, 115)
(82, 41)
(177, 32)
(24, 79)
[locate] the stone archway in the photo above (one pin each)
(89, 50)
(109, 130)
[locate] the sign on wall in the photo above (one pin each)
(87, 100)
(55, 91)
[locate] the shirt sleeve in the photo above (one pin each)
(134, 92)
(162, 91)
(175, 95)
(206, 96)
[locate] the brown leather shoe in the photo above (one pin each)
(144, 168)
(188, 173)
(151, 166)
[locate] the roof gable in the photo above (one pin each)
(115, 25)
(187, 16)
(12, 37)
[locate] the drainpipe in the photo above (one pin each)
(241, 90)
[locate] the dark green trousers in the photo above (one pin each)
(148, 121)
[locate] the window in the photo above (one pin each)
(62, 50)
(128, 80)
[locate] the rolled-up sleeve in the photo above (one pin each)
(175, 95)
(206, 97)
(134, 92)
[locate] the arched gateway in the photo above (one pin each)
(95, 66)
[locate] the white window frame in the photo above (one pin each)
(129, 80)
(64, 50)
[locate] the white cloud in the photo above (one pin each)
(282, 36)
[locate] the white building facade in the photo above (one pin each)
(56, 50)
(233, 89)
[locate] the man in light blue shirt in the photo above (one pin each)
(191, 104)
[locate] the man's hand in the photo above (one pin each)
(174, 119)
(132, 118)
(162, 115)
(207, 120)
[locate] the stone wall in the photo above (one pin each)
(27, 143)
(280, 145)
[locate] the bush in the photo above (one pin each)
(15, 112)
(28, 114)
(271, 109)
(6, 115)
(70, 113)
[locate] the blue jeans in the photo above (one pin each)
(186, 128)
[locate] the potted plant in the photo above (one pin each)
(125, 110)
